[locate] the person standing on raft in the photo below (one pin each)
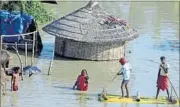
(125, 72)
(162, 80)
(82, 81)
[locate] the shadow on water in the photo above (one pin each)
(85, 95)
(65, 88)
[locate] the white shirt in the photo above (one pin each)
(126, 68)
(162, 72)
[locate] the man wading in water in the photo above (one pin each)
(162, 80)
(125, 72)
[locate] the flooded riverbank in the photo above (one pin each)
(158, 25)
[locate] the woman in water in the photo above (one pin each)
(82, 81)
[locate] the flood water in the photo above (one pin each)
(158, 26)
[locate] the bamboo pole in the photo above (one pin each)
(171, 92)
(51, 63)
(1, 42)
(16, 45)
(32, 58)
(25, 53)
(50, 66)
(25, 34)
(36, 43)
(20, 61)
(2, 73)
(173, 89)
(0, 63)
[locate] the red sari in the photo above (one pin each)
(82, 85)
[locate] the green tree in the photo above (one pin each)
(34, 8)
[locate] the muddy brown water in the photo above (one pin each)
(158, 25)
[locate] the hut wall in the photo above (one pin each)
(59, 46)
(88, 51)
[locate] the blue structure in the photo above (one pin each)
(12, 23)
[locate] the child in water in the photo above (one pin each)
(15, 79)
(125, 72)
(162, 80)
(82, 81)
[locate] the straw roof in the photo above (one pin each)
(91, 24)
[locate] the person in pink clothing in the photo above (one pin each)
(15, 79)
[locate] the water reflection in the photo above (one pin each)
(14, 100)
(124, 105)
(82, 98)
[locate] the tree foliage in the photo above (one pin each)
(34, 8)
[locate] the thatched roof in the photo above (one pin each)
(91, 24)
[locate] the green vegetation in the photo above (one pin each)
(34, 8)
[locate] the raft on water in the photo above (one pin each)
(143, 100)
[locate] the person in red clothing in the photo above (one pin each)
(82, 81)
(162, 80)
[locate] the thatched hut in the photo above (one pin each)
(90, 33)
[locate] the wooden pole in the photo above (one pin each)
(32, 58)
(51, 62)
(110, 82)
(0, 60)
(16, 45)
(1, 38)
(36, 41)
(20, 61)
(2, 73)
(50, 66)
(171, 92)
(0, 50)
(25, 53)
(174, 89)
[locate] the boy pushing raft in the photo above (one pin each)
(125, 72)
(162, 80)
